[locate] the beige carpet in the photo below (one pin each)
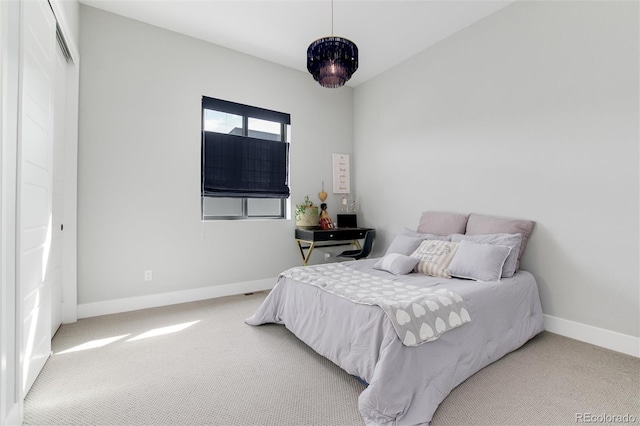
(199, 364)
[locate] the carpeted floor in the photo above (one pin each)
(199, 364)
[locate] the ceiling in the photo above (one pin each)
(386, 31)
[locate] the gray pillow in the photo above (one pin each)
(509, 240)
(396, 263)
(404, 244)
(480, 262)
(408, 241)
(443, 223)
(480, 224)
(411, 233)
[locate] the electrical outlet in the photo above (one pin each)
(327, 256)
(148, 275)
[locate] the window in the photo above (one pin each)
(245, 161)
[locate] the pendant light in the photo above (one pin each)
(332, 60)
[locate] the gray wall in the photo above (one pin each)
(531, 113)
(139, 159)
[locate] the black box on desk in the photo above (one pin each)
(347, 221)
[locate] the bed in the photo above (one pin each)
(407, 379)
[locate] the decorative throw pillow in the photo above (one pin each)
(480, 224)
(510, 240)
(408, 241)
(480, 262)
(435, 257)
(404, 244)
(443, 223)
(396, 263)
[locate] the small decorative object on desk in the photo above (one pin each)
(322, 194)
(347, 217)
(325, 220)
(348, 206)
(307, 215)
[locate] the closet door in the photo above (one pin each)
(55, 265)
(35, 181)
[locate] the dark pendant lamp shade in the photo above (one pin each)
(332, 61)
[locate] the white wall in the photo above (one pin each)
(531, 113)
(139, 159)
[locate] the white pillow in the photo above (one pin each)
(396, 263)
(509, 240)
(435, 257)
(480, 262)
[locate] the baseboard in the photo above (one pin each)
(618, 342)
(596, 336)
(87, 310)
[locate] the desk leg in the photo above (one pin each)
(305, 258)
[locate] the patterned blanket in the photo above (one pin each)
(418, 314)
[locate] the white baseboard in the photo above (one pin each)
(596, 336)
(87, 310)
(618, 342)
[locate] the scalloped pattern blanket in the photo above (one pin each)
(418, 314)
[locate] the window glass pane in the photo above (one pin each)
(263, 129)
(229, 207)
(264, 207)
(222, 122)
